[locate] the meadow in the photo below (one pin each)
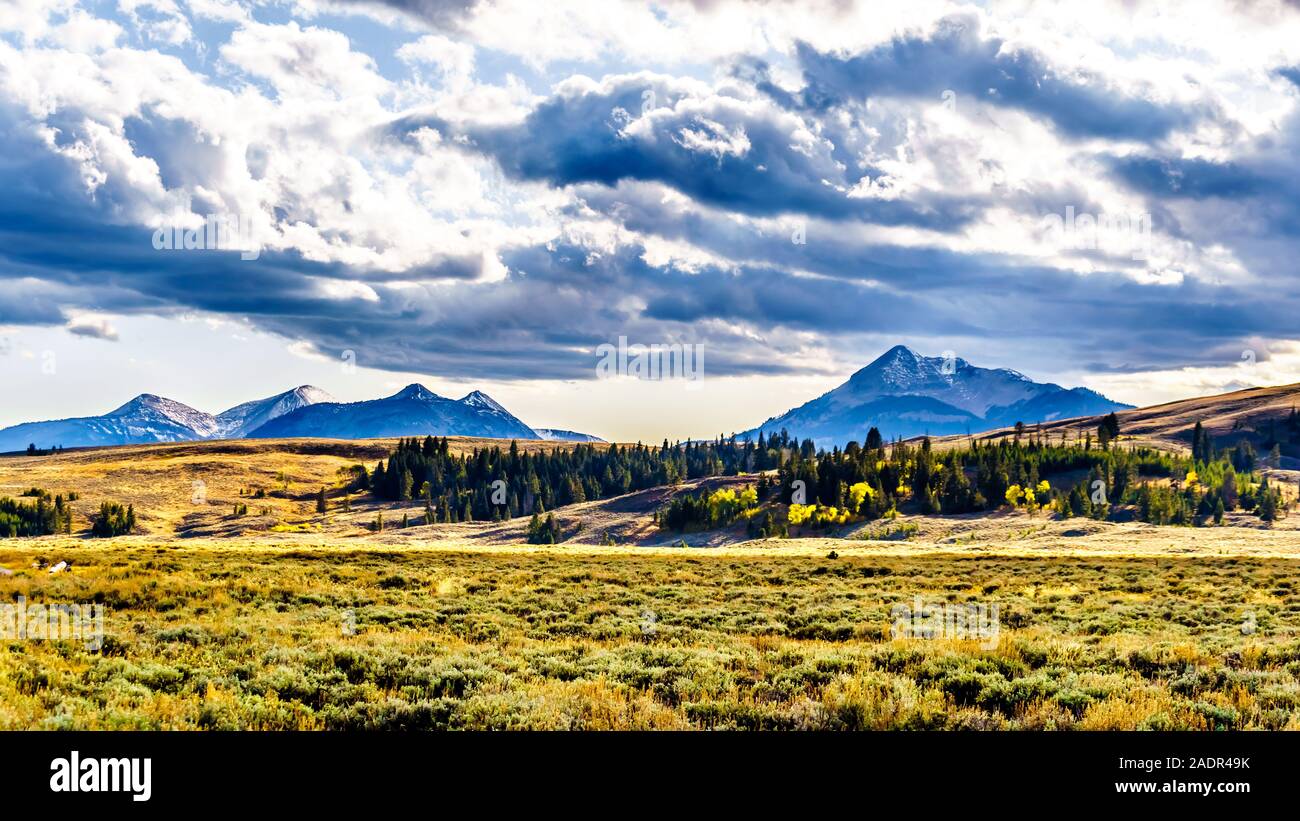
(246, 636)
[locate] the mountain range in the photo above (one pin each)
(902, 393)
(413, 411)
(905, 394)
(303, 411)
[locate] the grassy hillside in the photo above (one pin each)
(162, 483)
(1228, 418)
(241, 637)
(190, 488)
(300, 619)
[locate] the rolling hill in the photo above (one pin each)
(1252, 414)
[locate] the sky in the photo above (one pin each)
(486, 194)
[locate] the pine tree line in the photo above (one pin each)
(491, 483)
(43, 517)
(869, 483)
(830, 486)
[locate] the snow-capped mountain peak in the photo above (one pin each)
(479, 399)
(146, 418)
(312, 394)
(904, 393)
(558, 435)
(302, 411)
(249, 416)
(412, 411)
(148, 410)
(901, 371)
(416, 391)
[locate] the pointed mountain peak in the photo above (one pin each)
(898, 365)
(899, 356)
(897, 352)
(481, 400)
(148, 410)
(903, 393)
(415, 391)
(413, 411)
(312, 394)
(146, 400)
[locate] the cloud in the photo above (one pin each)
(441, 14)
(303, 63)
(989, 71)
(454, 60)
(717, 148)
(440, 204)
(93, 327)
(1189, 178)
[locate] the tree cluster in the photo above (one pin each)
(42, 517)
(113, 520)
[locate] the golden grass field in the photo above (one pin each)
(303, 620)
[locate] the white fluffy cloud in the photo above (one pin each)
(453, 166)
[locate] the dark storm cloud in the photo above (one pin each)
(58, 251)
(724, 152)
(987, 70)
(1190, 178)
(28, 303)
(829, 249)
(1250, 203)
(560, 302)
(1104, 317)
(95, 330)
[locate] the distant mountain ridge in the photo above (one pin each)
(149, 418)
(905, 394)
(303, 411)
(413, 411)
(557, 435)
(146, 418)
